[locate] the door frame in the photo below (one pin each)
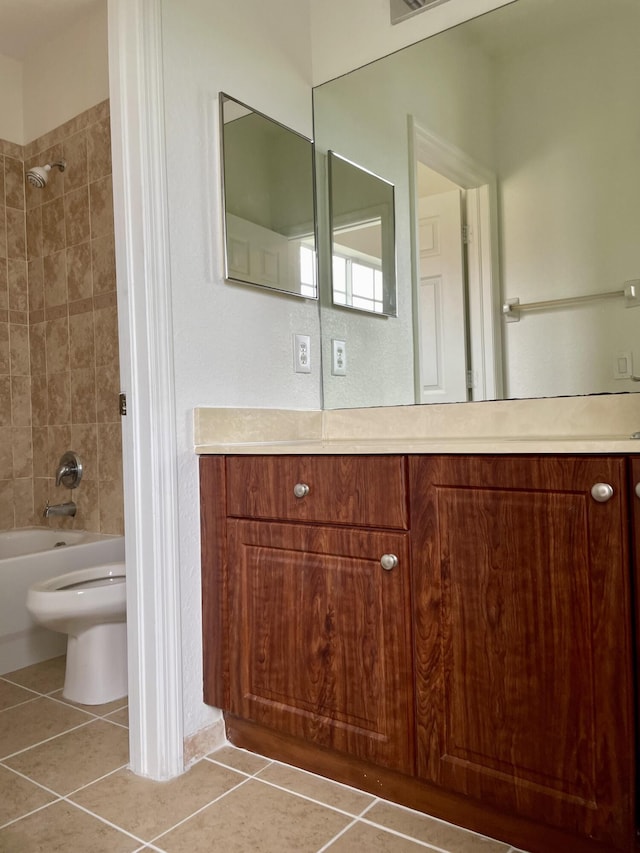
(147, 378)
(483, 268)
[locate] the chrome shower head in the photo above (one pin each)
(39, 175)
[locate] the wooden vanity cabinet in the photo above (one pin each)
(315, 632)
(487, 678)
(524, 668)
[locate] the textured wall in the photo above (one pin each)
(62, 382)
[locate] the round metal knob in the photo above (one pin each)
(602, 492)
(388, 562)
(301, 490)
(638, 489)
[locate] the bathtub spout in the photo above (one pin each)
(68, 508)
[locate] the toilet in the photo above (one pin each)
(90, 606)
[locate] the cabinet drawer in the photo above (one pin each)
(355, 490)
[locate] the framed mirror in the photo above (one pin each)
(269, 202)
(361, 210)
(525, 120)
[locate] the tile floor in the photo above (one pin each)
(65, 788)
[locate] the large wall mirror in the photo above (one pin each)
(512, 142)
(269, 204)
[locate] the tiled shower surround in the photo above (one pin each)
(59, 371)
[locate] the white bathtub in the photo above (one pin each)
(32, 554)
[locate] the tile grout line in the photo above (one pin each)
(306, 797)
(47, 740)
(105, 821)
(199, 810)
(338, 835)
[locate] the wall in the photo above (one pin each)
(348, 35)
(59, 369)
(16, 472)
(73, 322)
(67, 74)
(569, 202)
(232, 343)
(11, 109)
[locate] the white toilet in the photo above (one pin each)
(90, 606)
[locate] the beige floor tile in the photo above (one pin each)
(19, 797)
(330, 793)
(120, 717)
(77, 758)
(62, 828)
(11, 694)
(28, 724)
(42, 677)
(98, 710)
(259, 818)
(238, 759)
(147, 808)
(363, 838)
(424, 828)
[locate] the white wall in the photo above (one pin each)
(349, 34)
(233, 344)
(66, 75)
(11, 112)
(569, 188)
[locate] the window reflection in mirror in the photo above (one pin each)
(268, 196)
(361, 211)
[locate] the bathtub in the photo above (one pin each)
(37, 553)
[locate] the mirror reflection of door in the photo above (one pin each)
(456, 330)
(441, 301)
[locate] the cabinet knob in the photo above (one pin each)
(388, 562)
(301, 490)
(602, 492)
(638, 489)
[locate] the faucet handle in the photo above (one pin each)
(69, 472)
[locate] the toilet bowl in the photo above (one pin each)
(89, 605)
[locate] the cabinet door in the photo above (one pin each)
(523, 637)
(319, 636)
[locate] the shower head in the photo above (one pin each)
(39, 175)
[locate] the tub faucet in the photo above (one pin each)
(68, 508)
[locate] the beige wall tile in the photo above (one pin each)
(87, 498)
(53, 227)
(101, 203)
(3, 231)
(5, 358)
(107, 394)
(19, 348)
(6, 457)
(36, 284)
(16, 234)
(75, 153)
(79, 284)
(82, 352)
(59, 398)
(22, 446)
(106, 337)
(5, 401)
(83, 395)
(34, 233)
(104, 264)
(17, 285)
(40, 442)
(39, 400)
(57, 342)
(77, 223)
(21, 400)
(23, 502)
(37, 349)
(111, 507)
(6, 505)
(99, 148)
(55, 279)
(4, 287)
(14, 183)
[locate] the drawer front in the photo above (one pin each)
(367, 491)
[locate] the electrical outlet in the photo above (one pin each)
(302, 353)
(338, 358)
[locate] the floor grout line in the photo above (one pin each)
(199, 810)
(337, 836)
(105, 821)
(48, 739)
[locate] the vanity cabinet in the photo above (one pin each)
(483, 672)
(317, 631)
(524, 678)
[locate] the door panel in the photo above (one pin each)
(320, 644)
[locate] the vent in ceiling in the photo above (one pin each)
(402, 9)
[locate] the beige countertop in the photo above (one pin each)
(598, 424)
